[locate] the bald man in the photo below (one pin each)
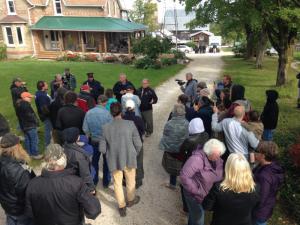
(190, 88)
(121, 86)
(237, 138)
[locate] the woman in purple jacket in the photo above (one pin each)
(269, 175)
(200, 172)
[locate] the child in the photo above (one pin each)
(254, 125)
(269, 175)
(269, 116)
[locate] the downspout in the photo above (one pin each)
(32, 39)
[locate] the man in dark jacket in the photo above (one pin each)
(148, 98)
(16, 89)
(58, 196)
(14, 178)
(298, 100)
(269, 116)
(42, 102)
(28, 123)
(69, 80)
(55, 85)
(70, 115)
(54, 108)
(78, 159)
(95, 86)
(121, 86)
(85, 100)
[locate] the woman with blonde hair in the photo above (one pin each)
(14, 178)
(233, 200)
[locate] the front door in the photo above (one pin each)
(51, 40)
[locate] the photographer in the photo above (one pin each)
(17, 88)
(55, 84)
(69, 80)
(190, 88)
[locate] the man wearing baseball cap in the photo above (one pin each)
(28, 123)
(85, 100)
(95, 86)
(17, 88)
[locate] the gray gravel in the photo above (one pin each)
(159, 205)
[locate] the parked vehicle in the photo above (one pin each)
(184, 48)
(214, 48)
(271, 52)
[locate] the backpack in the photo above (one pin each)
(82, 103)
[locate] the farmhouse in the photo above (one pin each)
(46, 28)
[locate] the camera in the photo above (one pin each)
(180, 82)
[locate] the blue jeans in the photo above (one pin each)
(196, 211)
(48, 129)
(95, 163)
(258, 222)
(31, 141)
(18, 220)
(173, 180)
(268, 135)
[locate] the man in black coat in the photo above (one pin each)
(78, 159)
(269, 116)
(95, 86)
(70, 115)
(16, 89)
(121, 86)
(148, 98)
(58, 196)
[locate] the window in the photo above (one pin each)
(11, 7)
(57, 7)
(9, 35)
(20, 36)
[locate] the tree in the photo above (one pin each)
(145, 13)
(282, 19)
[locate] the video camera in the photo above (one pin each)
(180, 82)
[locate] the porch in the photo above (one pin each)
(54, 35)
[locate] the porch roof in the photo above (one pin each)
(92, 24)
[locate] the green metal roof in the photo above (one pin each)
(96, 24)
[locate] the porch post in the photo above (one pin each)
(60, 40)
(129, 44)
(105, 43)
(82, 42)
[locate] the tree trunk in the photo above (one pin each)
(250, 45)
(261, 47)
(282, 67)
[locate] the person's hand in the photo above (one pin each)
(215, 109)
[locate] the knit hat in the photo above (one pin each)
(85, 87)
(130, 104)
(196, 126)
(202, 85)
(9, 140)
(70, 135)
(204, 92)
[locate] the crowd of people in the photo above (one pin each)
(216, 149)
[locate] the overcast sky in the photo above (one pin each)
(168, 4)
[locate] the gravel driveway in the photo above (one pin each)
(159, 205)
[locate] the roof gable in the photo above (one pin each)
(13, 19)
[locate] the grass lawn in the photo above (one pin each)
(31, 71)
(256, 83)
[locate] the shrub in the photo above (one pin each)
(239, 50)
(178, 54)
(143, 63)
(168, 61)
(110, 58)
(3, 52)
(125, 59)
(91, 57)
(192, 44)
(156, 65)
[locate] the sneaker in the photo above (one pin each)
(135, 201)
(37, 157)
(122, 211)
